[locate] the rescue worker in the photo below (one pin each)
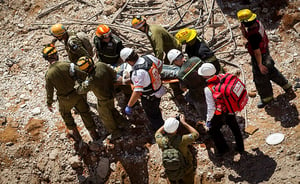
(145, 77)
(196, 46)
(190, 80)
(100, 80)
(59, 77)
(108, 45)
(162, 42)
(74, 46)
(167, 135)
(217, 114)
(263, 68)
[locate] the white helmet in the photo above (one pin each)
(173, 54)
(207, 69)
(125, 53)
(171, 125)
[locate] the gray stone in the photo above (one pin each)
(103, 167)
(36, 111)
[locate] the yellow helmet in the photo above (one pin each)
(85, 63)
(246, 15)
(186, 35)
(49, 50)
(138, 22)
(57, 30)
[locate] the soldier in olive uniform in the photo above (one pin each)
(73, 44)
(58, 77)
(100, 80)
(167, 134)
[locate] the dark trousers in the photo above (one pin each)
(215, 132)
(151, 107)
(263, 82)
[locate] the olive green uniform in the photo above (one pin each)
(161, 41)
(58, 77)
(100, 81)
(186, 140)
(74, 47)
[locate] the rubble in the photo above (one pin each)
(34, 144)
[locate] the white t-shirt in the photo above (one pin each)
(141, 78)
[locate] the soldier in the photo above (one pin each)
(59, 77)
(100, 80)
(162, 42)
(76, 45)
(263, 68)
(147, 85)
(167, 139)
(108, 45)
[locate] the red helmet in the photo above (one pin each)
(103, 31)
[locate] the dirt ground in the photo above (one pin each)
(34, 144)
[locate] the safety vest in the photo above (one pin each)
(108, 52)
(220, 104)
(153, 72)
(263, 45)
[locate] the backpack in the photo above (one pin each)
(232, 92)
(173, 161)
(86, 42)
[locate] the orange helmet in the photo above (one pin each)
(103, 31)
(85, 63)
(57, 30)
(138, 22)
(49, 50)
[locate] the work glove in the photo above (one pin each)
(128, 110)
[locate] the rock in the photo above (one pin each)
(252, 94)
(218, 175)
(9, 144)
(75, 162)
(53, 154)
(298, 157)
(36, 111)
(3, 120)
(297, 27)
(103, 168)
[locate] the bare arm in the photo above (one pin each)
(257, 54)
(134, 97)
(187, 126)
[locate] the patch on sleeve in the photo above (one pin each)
(190, 136)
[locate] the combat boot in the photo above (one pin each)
(290, 93)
